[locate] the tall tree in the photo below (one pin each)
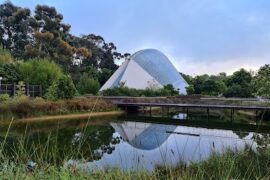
(239, 84)
(43, 35)
(213, 87)
(198, 83)
(103, 53)
(14, 28)
(50, 36)
(261, 82)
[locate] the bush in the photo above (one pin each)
(167, 90)
(121, 91)
(239, 85)
(40, 72)
(5, 56)
(4, 98)
(24, 107)
(190, 90)
(10, 73)
(62, 88)
(88, 85)
(261, 82)
(20, 89)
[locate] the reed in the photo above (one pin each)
(24, 107)
(46, 161)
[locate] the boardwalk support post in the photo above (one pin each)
(256, 116)
(207, 114)
(232, 114)
(14, 89)
(187, 112)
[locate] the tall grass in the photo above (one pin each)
(45, 160)
(231, 165)
(23, 107)
(23, 159)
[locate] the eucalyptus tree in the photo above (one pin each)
(14, 28)
(239, 84)
(261, 82)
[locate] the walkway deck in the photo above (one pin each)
(204, 106)
(232, 108)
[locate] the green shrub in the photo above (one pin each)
(20, 89)
(10, 73)
(261, 82)
(62, 88)
(167, 90)
(190, 90)
(4, 98)
(88, 85)
(5, 56)
(24, 107)
(40, 72)
(121, 91)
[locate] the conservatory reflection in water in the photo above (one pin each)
(146, 145)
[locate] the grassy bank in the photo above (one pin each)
(24, 107)
(231, 165)
(22, 157)
(66, 117)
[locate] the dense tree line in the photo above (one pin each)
(38, 48)
(240, 84)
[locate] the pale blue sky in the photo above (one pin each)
(199, 36)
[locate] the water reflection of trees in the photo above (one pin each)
(262, 140)
(89, 143)
(241, 134)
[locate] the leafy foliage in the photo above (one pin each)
(236, 85)
(20, 89)
(261, 82)
(239, 84)
(213, 87)
(5, 56)
(40, 72)
(14, 30)
(207, 85)
(42, 34)
(190, 90)
(4, 98)
(10, 73)
(167, 90)
(88, 85)
(62, 88)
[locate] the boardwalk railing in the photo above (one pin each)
(200, 106)
(29, 90)
(236, 107)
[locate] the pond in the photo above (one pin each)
(131, 142)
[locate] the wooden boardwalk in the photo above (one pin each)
(202, 106)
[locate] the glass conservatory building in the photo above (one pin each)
(147, 68)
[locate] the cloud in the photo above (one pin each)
(229, 66)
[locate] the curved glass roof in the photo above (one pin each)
(160, 67)
(147, 65)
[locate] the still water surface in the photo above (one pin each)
(133, 144)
